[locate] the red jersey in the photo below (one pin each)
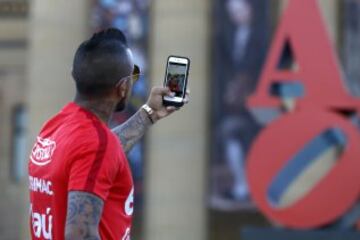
(75, 151)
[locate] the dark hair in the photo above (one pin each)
(100, 62)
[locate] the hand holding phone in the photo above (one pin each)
(176, 79)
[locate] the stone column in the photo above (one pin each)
(56, 30)
(177, 146)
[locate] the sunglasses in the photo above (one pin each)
(135, 75)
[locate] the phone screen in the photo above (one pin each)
(175, 78)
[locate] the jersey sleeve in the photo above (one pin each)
(93, 167)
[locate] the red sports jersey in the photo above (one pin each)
(75, 151)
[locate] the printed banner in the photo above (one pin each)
(351, 47)
(240, 39)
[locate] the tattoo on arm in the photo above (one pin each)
(83, 216)
(133, 129)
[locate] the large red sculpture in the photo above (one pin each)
(322, 118)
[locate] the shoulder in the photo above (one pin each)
(94, 139)
(95, 151)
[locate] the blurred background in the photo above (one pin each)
(189, 170)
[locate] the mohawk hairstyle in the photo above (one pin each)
(109, 34)
(100, 62)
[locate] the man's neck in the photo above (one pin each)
(103, 108)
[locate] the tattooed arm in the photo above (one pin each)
(133, 129)
(83, 216)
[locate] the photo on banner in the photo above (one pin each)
(240, 38)
(131, 17)
(351, 44)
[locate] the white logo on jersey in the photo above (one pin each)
(129, 204)
(42, 151)
(126, 235)
(40, 185)
(41, 224)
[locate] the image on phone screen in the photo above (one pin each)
(175, 78)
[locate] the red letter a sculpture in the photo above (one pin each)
(304, 167)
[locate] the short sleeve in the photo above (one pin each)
(93, 167)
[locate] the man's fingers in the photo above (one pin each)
(187, 97)
(161, 91)
(172, 109)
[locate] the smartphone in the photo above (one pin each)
(176, 78)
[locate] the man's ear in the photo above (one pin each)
(122, 89)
